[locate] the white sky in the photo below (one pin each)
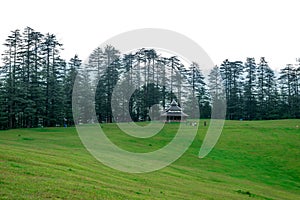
(231, 29)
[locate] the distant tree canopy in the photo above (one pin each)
(36, 84)
(156, 79)
(254, 92)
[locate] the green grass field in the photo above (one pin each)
(252, 160)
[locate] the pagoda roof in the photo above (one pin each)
(174, 110)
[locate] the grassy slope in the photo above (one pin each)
(257, 160)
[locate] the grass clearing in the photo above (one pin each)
(252, 160)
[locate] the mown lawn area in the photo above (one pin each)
(252, 160)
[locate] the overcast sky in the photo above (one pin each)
(231, 29)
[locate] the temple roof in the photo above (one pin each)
(174, 110)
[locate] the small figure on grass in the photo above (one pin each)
(65, 122)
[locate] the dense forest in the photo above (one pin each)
(36, 84)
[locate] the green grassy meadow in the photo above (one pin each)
(252, 160)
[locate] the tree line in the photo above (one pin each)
(254, 92)
(156, 79)
(36, 84)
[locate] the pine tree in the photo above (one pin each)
(217, 93)
(36, 86)
(30, 75)
(105, 63)
(250, 89)
(215, 83)
(232, 76)
(70, 74)
(162, 76)
(288, 84)
(199, 91)
(267, 94)
(12, 65)
(52, 79)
